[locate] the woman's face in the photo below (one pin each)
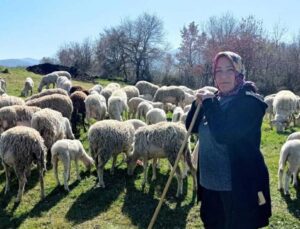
(224, 75)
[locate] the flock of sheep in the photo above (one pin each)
(132, 119)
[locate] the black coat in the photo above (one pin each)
(238, 126)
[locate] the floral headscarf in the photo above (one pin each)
(239, 67)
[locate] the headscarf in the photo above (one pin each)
(239, 68)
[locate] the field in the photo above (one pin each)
(124, 203)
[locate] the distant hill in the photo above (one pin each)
(24, 62)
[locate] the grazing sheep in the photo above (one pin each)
(28, 86)
(47, 80)
(10, 100)
(16, 115)
(136, 123)
(155, 115)
(113, 86)
(117, 103)
(177, 113)
(284, 107)
(131, 92)
(95, 106)
(146, 88)
(2, 86)
(146, 97)
(64, 83)
(19, 147)
(47, 92)
(171, 94)
(293, 136)
(132, 105)
(56, 102)
(97, 88)
(106, 92)
(107, 139)
(78, 98)
(75, 88)
(63, 73)
(52, 127)
(66, 150)
(187, 90)
(290, 152)
(161, 140)
(169, 107)
(143, 108)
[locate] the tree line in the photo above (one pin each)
(137, 50)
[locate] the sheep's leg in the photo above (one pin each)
(191, 167)
(67, 165)
(22, 181)
(179, 182)
(41, 173)
(55, 165)
(112, 169)
(280, 177)
(100, 169)
(154, 169)
(77, 169)
(7, 175)
(287, 180)
(83, 123)
(145, 171)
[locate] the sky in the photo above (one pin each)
(36, 28)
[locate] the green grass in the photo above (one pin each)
(124, 203)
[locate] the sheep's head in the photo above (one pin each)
(280, 125)
(89, 163)
(131, 164)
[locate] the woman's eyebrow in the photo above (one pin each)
(227, 67)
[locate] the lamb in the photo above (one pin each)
(171, 94)
(146, 88)
(28, 86)
(95, 106)
(47, 92)
(47, 80)
(67, 150)
(78, 98)
(52, 127)
(56, 102)
(19, 147)
(155, 115)
(143, 108)
(133, 105)
(290, 152)
(284, 107)
(10, 100)
(117, 103)
(63, 73)
(64, 83)
(136, 123)
(16, 115)
(107, 139)
(131, 92)
(177, 113)
(161, 140)
(97, 88)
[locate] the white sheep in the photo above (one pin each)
(170, 94)
(177, 113)
(66, 150)
(47, 92)
(284, 107)
(2, 86)
(10, 100)
(63, 73)
(290, 152)
(136, 123)
(161, 140)
(295, 135)
(28, 87)
(117, 104)
(131, 92)
(146, 97)
(132, 105)
(107, 139)
(47, 80)
(155, 115)
(96, 88)
(64, 83)
(187, 108)
(146, 88)
(19, 148)
(143, 108)
(95, 106)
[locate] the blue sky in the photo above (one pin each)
(37, 28)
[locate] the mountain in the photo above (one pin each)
(24, 62)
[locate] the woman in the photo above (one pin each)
(233, 178)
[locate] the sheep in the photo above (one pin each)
(155, 115)
(19, 147)
(64, 83)
(47, 92)
(2, 86)
(143, 108)
(183, 118)
(113, 86)
(157, 105)
(177, 113)
(95, 106)
(132, 105)
(52, 127)
(67, 150)
(117, 103)
(284, 107)
(97, 88)
(106, 92)
(47, 80)
(136, 123)
(63, 73)
(146, 88)
(107, 139)
(146, 97)
(10, 100)
(16, 115)
(169, 107)
(187, 108)
(131, 92)
(290, 152)
(78, 98)
(187, 90)
(171, 94)
(56, 102)
(295, 135)
(75, 88)
(28, 86)
(161, 140)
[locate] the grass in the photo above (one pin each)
(124, 203)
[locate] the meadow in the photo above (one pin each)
(124, 203)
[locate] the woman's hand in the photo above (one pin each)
(203, 94)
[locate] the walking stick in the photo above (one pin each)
(174, 168)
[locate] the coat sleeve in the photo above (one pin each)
(190, 117)
(241, 118)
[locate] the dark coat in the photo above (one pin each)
(238, 126)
